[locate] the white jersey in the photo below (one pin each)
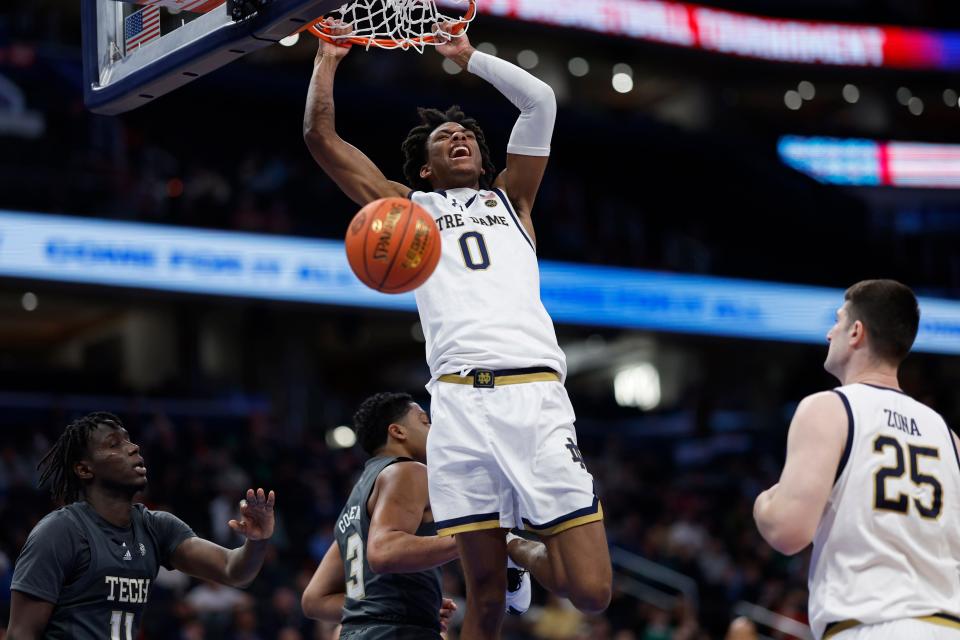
(888, 544)
(481, 308)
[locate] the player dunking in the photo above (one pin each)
(872, 478)
(87, 569)
(381, 575)
(503, 449)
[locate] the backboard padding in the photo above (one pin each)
(115, 83)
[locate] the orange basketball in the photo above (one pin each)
(393, 245)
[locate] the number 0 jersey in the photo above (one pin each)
(481, 307)
(888, 543)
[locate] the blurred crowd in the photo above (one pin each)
(694, 519)
(623, 188)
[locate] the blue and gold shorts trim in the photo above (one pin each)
(490, 378)
(478, 522)
(942, 619)
(593, 513)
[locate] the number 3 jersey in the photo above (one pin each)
(409, 599)
(888, 543)
(481, 307)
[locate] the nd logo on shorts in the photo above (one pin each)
(483, 379)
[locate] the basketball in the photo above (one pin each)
(393, 245)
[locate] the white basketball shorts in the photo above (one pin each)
(506, 457)
(938, 627)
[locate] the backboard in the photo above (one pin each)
(134, 52)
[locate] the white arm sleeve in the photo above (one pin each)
(538, 106)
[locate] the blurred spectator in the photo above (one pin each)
(558, 620)
(678, 516)
(215, 605)
(741, 629)
(245, 624)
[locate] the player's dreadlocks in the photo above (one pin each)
(415, 146)
(57, 465)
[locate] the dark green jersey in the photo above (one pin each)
(97, 575)
(407, 599)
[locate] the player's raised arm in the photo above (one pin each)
(354, 172)
(235, 567)
(529, 145)
(324, 597)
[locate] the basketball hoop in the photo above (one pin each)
(392, 24)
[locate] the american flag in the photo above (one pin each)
(141, 27)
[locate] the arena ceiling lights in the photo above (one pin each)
(698, 27)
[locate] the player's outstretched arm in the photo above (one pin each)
(529, 146)
(324, 596)
(393, 546)
(235, 567)
(28, 616)
(354, 172)
(788, 513)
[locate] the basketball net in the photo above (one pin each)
(394, 24)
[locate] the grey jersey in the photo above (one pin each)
(408, 599)
(97, 575)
